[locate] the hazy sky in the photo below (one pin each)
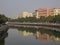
(12, 7)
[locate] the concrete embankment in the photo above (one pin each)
(52, 26)
(34, 24)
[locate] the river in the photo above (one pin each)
(31, 36)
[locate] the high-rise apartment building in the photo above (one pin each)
(46, 12)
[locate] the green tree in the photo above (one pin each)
(57, 19)
(3, 18)
(49, 19)
(42, 19)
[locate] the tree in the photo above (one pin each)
(49, 18)
(3, 18)
(42, 19)
(57, 19)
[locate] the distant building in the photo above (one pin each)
(46, 12)
(57, 11)
(36, 14)
(24, 15)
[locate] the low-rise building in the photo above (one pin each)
(24, 15)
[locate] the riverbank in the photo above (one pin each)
(3, 27)
(34, 24)
(3, 30)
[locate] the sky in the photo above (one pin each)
(12, 8)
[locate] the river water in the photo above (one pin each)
(30, 36)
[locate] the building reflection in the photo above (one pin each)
(41, 34)
(46, 36)
(2, 38)
(25, 33)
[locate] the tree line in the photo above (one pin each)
(51, 19)
(3, 18)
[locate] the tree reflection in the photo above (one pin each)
(42, 34)
(2, 38)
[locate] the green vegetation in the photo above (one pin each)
(54, 19)
(3, 18)
(51, 19)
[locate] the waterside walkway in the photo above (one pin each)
(52, 26)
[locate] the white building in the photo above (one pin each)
(57, 11)
(24, 15)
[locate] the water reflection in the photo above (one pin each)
(2, 38)
(25, 33)
(41, 34)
